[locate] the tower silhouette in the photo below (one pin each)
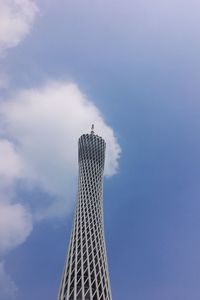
(85, 275)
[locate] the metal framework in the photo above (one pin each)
(86, 274)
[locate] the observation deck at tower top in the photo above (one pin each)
(91, 146)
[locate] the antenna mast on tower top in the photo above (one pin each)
(92, 129)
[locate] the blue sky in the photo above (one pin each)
(132, 68)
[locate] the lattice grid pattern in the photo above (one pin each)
(86, 273)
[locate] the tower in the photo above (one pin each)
(85, 275)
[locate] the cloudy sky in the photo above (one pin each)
(133, 69)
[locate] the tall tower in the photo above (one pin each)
(85, 274)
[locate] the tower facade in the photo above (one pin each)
(86, 274)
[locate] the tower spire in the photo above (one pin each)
(92, 129)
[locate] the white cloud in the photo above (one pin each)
(46, 123)
(15, 220)
(15, 225)
(16, 18)
(10, 162)
(8, 288)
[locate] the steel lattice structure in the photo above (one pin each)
(86, 274)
